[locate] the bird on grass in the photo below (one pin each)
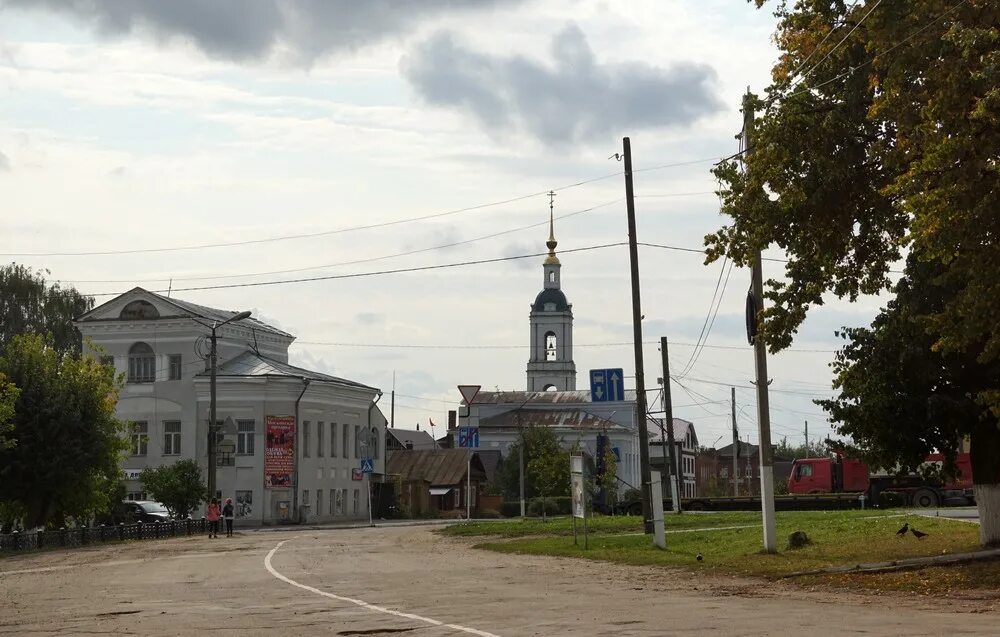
(901, 532)
(918, 534)
(698, 557)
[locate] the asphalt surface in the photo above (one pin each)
(409, 580)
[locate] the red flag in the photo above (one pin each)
(431, 421)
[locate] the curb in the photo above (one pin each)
(904, 564)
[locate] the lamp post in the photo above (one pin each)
(212, 426)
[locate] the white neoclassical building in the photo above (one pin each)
(293, 439)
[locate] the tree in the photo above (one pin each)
(548, 463)
(880, 140)
(8, 398)
(69, 445)
(28, 304)
(791, 452)
(178, 486)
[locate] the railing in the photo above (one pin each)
(17, 542)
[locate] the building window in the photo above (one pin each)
(552, 277)
(305, 497)
(333, 443)
(345, 448)
(357, 501)
(175, 367)
(320, 441)
(246, 432)
(140, 438)
(373, 437)
(141, 364)
(333, 502)
(550, 346)
(135, 495)
(305, 439)
(357, 441)
(319, 501)
(341, 501)
(724, 472)
(244, 504)
(171, 437)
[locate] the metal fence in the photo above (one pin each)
(82, 536)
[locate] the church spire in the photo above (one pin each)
(551, 244)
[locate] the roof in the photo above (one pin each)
(419, 439)
(746, 449)
(681, 428)
(439, 467)
(198, 311)
(538, 397)
(551, 295)
(566, 418)
(250, 363)
(491, 459)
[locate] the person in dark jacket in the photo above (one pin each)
(227, 514)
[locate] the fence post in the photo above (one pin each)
(16, 538)
(187, 523)
(121, 531)
(138, 530)
(40, 538)
(203, 522)
(84, 535)
(62, 536)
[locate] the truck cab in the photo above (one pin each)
(827, 475)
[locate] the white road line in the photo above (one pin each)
(364, 604)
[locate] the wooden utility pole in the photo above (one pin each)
(807, 439)
(736, 444)
(760, 354)
(640, 382)
(668, 416)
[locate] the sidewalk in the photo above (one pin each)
(360, 524)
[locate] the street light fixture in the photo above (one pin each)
(212, 425)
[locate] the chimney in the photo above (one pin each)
(452, 417)
(418, 426)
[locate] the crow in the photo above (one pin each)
(918, 534)
(698, 557)
(901, 532)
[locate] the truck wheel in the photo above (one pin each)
(925, 498)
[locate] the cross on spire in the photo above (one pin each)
(551, 243)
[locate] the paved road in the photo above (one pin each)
(968, 514)
(411, 581)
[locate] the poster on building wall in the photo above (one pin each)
(279, 452)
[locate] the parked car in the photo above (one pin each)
(146, 511)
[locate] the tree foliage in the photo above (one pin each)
(178, 486)
(885, 142)
(546, 465)
(69, 444)
(29, 304)
(8, 398)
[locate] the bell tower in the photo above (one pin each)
(550, 365)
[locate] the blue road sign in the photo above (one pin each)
(367, 465)
(468, 437)
(607, 385)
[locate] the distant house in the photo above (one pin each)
(685, 448)
(715, 470)
(436, 480)
(397, 439)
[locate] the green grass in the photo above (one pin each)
(838, 538)
(563, 526)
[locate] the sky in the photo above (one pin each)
(331, 138)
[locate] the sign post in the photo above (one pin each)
(468, 437)
(368, 468)
(656, 494)
(578, 489)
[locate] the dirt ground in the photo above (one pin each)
(410, 581)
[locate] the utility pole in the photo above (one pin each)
(212, 426)
(640, 382)
(392, 403)
(668, 416)
(736, 443)
(807, 439)
(760, 354)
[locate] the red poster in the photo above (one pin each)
(279, 452)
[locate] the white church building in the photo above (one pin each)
(293, 438)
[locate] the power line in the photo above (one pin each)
(357, 275)
(359, 261)
(712, 313)
(501, 347)
(821, 43)
(323, 233)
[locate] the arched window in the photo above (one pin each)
(549, 387)
(141, 364)
(552, 277)
(550, 346)
(139, 310)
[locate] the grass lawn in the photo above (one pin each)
(838, 538)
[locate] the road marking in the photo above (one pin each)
(364, 604)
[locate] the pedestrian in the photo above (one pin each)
(227, 513)
(213, 518)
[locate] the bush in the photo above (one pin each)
(543, 506)
(511, 509)
(489, 514)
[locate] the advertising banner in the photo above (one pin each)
(279, 452)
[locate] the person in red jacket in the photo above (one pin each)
(213, 515)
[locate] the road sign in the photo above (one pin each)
(607, 385)
(367, 465)
(468, 437)
(469, 392)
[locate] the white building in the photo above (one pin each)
(686, 448)
(551, 399)
(161, 347)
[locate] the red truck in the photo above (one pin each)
(839, 474)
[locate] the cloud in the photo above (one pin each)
(575, 99)
(244, 30)
(4, 163)
(516, 249)
(369, 318)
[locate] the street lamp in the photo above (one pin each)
(212, 427)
